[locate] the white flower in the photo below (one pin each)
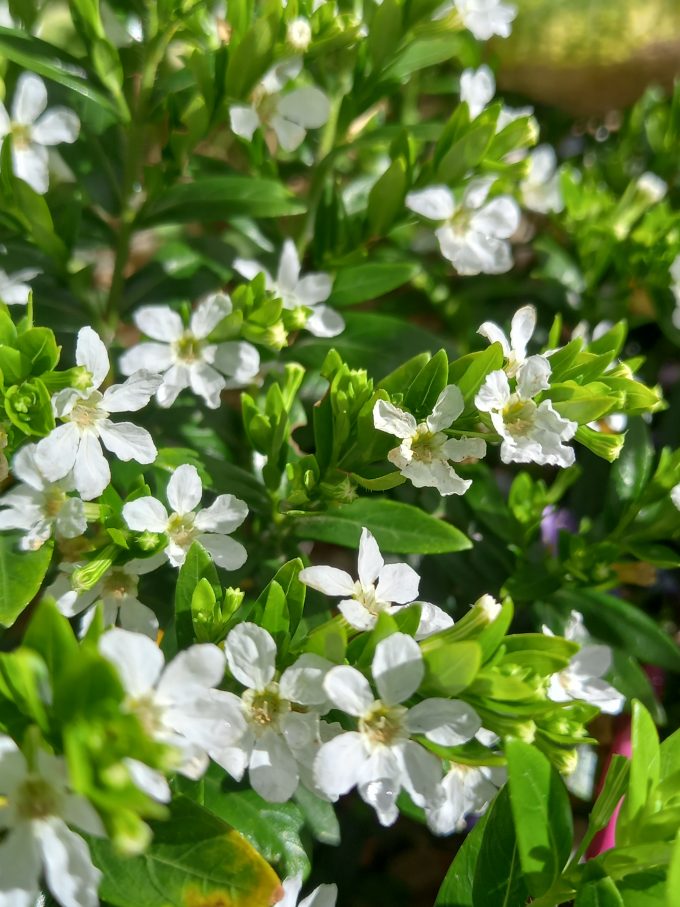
(14, 288)
(474, 234)
(295, 291)
(117, 591)
(675, 495)
(380, 588)
(276, 736)
(582, 678)
(210, 526)
(38, 506)
(33, 130)
(289, 115)
(484, 18)
(522, 329)
(299, 34)
(540, 189)
(185, 358)
(36, 808)
(531, 432)
(177, 704)
(652, 187)
(322, 896)
(464, 789)
(477, 88)
(424, 453)
(379, 757)
(77, 444)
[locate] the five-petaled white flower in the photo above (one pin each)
(531, 432)
(322, 896)
(582, 678)
(117, 591)
(77, 444)
(464, 789)
(14, 288)
(424, 453)
(277, 730)
(540, 189)
(522, 329)
(210, 526)
(177, 704)
(38, 506)
(380, 757)
(185, 357)
(295, 291)
(380, 588)
(473, 235)
(36, 808)
(477, 88)
(484, 18)
(289, 115)
(32, 130)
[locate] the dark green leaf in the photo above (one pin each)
(369, 281)
(21, 575)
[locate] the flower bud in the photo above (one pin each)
(299, 34)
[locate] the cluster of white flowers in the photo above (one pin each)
(424, 453)
(309, 292)
(474, 232)
(289, 115)
(32, 130)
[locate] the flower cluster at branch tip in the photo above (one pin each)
(33, 130)
(185, 357)
(474, 232)
(296, 292)
(424, 454)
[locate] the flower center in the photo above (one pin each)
(119, 584)
(37, 799)
(518, 416)
(148, 713)
(383, 725)
(264, 708)
(87, 412)
(426, 445)
(54, 501)
(21, 135)
(188, 348)
(181, 528)
(366, 595)
(460, 221)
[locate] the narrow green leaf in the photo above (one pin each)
(498, 878)
(456, 890)
(360, 283)
(50, 635)
(21, 575)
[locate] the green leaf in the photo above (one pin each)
(622, 624)
(540, 807)
(451, 667)
(426, 387)
(369, 281)
(673, 881)
(198, 565)
(50, 635)
(23, 681)
(386, 198)
(220, 198)
(469, 372)
(456, 890)
(602, 893)
(644, 772)
(633, 468)
(466, 152)
(399, 528)
(319, 816)
(498, 878)
(194, 860)
(21, 575)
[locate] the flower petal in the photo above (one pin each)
(70, 521)
(19, 868)
(434, 203)
(145, 514)
(398, 583)
(91, 353)
(225, 514)
(243, 121)
(132, 394)
(303, 681)
(30, 99)
(398, 668)
(522, 328)
(325, 322)
(370, 560)
(209, 313)
(290, 135)
(313, 289)
(70, 874)
(394, 421)
(238, 360)
(307, 106)
(273, 771)
(159, 322)
(137, 659)
(206, 382)
(184, 490)
(328, 580)
(448, 407)
(499, 218)
(494, 334)
(127, 441)
(533, 376)
(138, 618)
(30, 164)
(91, 473)
(348, 690)
(191, 673)
(444, 721)
(432, 620)
(56, 126)
(494, 393)
(338, 764)
(154, 357)
(289, 267)
(226, 552)
(25, 467)
(251, 655)
(148, 780)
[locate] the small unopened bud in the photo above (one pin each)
(299, 34)
(489, 606)
(233, 599)
(88, 576)
(147, 541)
(652, 187)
